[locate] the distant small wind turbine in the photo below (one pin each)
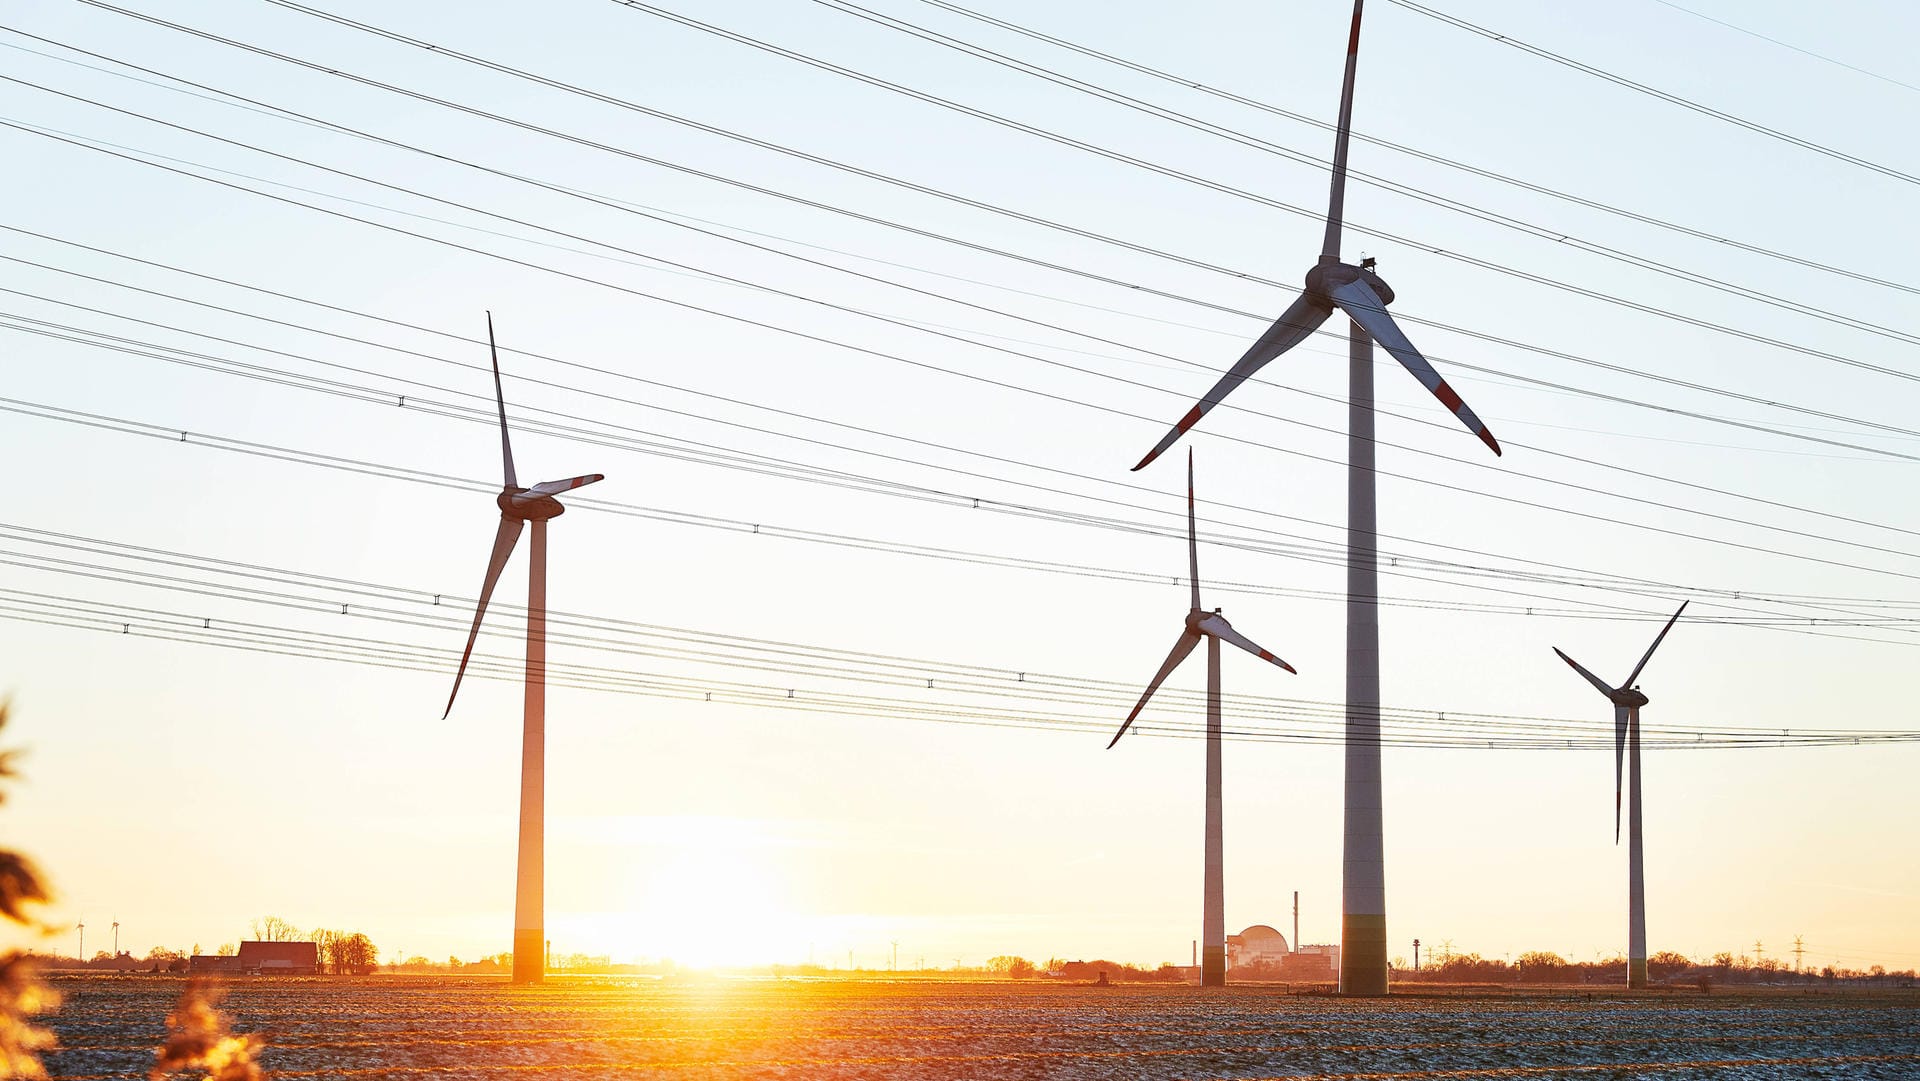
(1360, 293)
(518, 506)
(1627, 701)
(1215, 629)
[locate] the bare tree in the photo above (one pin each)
(327, 943)
(275, 929)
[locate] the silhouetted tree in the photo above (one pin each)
(1667, 963)
(1540, 966)
(356, 954)
(275, 929)
(327, 944)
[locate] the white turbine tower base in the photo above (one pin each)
(519, 507)
(1213, 627)
(1359, 293)
(1627, 700)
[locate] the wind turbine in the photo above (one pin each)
(1215, 629)
(519, 506)
(1363, 297)
(1627, 701)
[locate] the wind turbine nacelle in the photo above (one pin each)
(1629, 697)
(516, 503)
(1323, 280)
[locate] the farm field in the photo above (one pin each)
(592, 1028)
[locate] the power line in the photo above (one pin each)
(705, 453)
(1030, 129)
(1822, 57)
(1660, 95)
(1189, 83)
(1810, 625)
(1612, 581)
(1178, 174)
(1135, 287)
(1478, 213)
(736, 651)
(1018, 387)
(1134, 383)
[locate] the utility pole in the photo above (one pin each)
(1756, 951)
(1196, 953)
(1797, 951)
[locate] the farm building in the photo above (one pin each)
(264, 958)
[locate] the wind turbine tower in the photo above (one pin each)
(1359, 293)
(1213, 627)
(518, 507)
(1627, 701)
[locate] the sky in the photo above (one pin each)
(887, 439)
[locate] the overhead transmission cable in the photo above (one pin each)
(1823, 626)
(1076, 401)
(1409, 191)
(1095, 149)
(626, 636)
(1029, 356)
(704, 452)
(1191, 178)
(1189, 83)
(1591, 577)
(1134, 287)
(1658, 94)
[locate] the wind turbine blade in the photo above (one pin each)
(1336, 199)
(1598, 683)
(503, 542)
(1363, 306)
(1188, 640)
(555, 487)
(1193, 538)
(1301, 318)
(1217, 626)
(500, 399)
(1655, 645)
(1621, 717)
